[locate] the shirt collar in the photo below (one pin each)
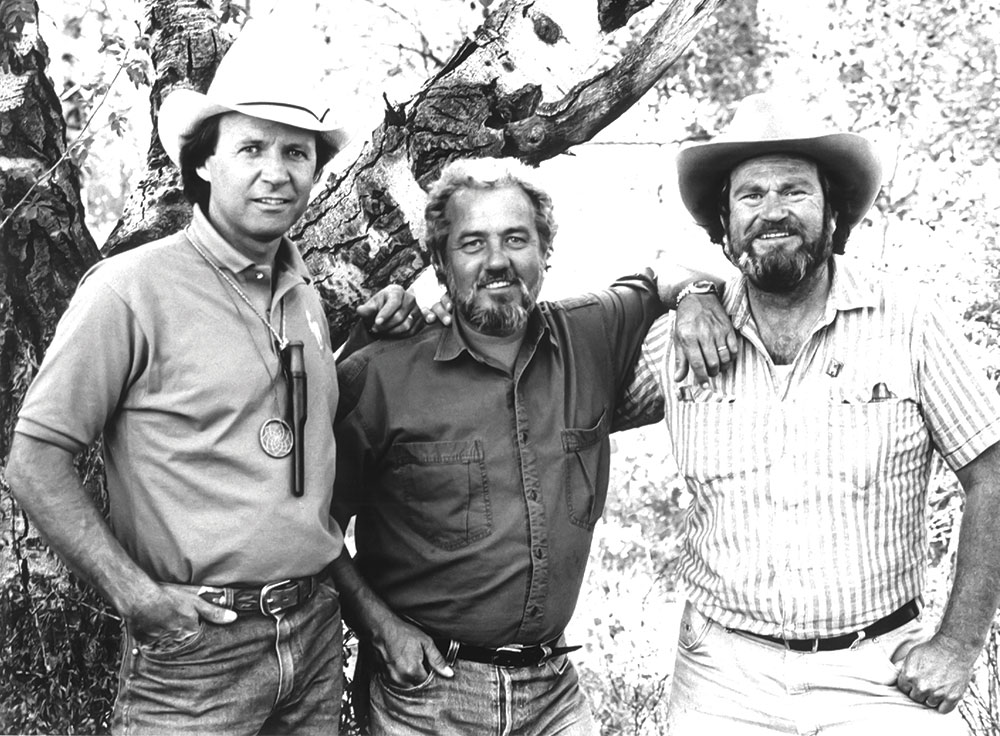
(849, 290)
(451, 343)
(287, 259)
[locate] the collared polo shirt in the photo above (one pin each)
(476, 491)
(159, 354)
(808, 516)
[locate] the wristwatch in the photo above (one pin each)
(701, 286)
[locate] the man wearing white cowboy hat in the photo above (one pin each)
(190, 356)
(805, 548)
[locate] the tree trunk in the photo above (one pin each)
(44, 245)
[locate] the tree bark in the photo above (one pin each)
(44, 244)
(186, 45)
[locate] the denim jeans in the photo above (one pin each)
(486, 701)
(256, 675)
(727, 682)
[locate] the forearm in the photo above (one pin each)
(975, 593)
(364, 610)
(45, 484)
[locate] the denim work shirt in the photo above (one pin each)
(476, 492)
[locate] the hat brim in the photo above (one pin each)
(184, 109)
(847, 157)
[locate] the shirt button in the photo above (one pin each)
(539, 553)
(259, 276)
(532, 495)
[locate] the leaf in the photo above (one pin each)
(119, 123)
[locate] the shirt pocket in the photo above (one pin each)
(445, 490)
(865, 442)
(586, 461)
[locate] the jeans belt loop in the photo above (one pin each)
(452, 654)
(546, 654)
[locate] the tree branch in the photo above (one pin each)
(594, 104)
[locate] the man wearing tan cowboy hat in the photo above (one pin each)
(204, 360)
(805, 547)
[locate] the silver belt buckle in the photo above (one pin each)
(279, 596)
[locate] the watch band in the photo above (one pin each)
(702, 286)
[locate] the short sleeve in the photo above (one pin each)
(643, 399)
(961, 408)
(96, 354)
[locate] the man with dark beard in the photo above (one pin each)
(805, 547)
(475, 460)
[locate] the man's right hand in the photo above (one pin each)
(408, 655)
(171, 614)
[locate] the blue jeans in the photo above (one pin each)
(256, 675)
(487, 701)
(727, 682)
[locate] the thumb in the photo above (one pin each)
(215, 614)
(435, 661)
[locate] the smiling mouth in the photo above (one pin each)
(271, 201)
(775, 235)
(497, 285)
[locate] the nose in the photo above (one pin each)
(497, 258)
(273, 168)
(774, 207)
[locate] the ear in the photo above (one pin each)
(439, 269)
(203, 172)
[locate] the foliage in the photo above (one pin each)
(14, 15)
(52, 679)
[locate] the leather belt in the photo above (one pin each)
(513, 655)
(267, 600)
(844, 641)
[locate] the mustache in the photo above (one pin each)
(788, 225)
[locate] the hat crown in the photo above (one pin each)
(273, 63)
(762, 118)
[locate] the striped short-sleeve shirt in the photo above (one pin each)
(810, 484)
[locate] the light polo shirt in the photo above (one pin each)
(159, 354)
(476, 490)
(808, 516)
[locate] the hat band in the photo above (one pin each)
(319, 118)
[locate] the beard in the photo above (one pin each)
(497, 320)
(778, 271)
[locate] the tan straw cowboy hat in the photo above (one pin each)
(273, 71)
(765, 125)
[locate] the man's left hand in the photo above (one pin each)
(704, 336)
(392, 311)
(937, 672)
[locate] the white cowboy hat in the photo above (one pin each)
(765, 125)
(273, 71)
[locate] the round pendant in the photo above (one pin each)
(276, 437)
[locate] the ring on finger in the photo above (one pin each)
(722, 348)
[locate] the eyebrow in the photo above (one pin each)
(795, 181)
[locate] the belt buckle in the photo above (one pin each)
(279, 596)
